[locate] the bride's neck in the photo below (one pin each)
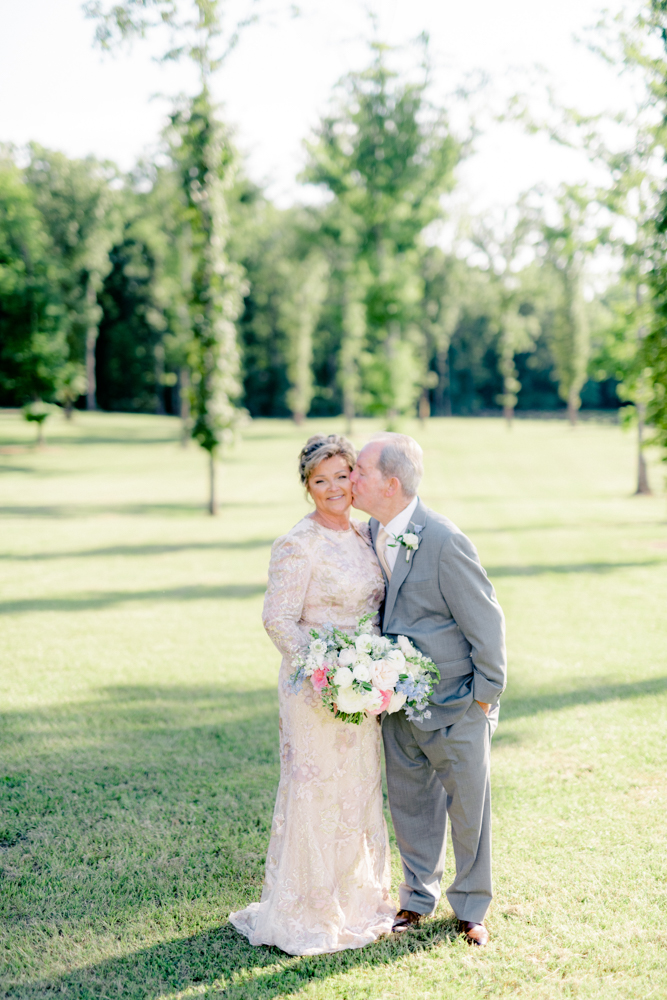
(337, 522)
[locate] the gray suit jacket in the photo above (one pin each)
(445, 603)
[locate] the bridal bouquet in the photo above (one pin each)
(367, 674)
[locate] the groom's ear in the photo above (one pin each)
(392, 487)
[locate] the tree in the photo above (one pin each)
(387, 157)
(145, 328)
(353, 328)
(204, 156)
(567, 244)
(78, 207)
(304, 289)
(206, 161)
(33, 347)
(505, 247)
(446, 280)
(630, 145)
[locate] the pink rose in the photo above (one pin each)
(319, 679)
(386, 698)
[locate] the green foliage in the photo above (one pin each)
(32, 342)
(206, 161)
(38, 413)
(387, 157)
(79, 210)
(194, 27)
(654, 354)
(568, 243)
(145, 327)
(513, 314)
(304, 286)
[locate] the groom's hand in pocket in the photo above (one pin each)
(485, 706)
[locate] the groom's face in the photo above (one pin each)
(368, 483)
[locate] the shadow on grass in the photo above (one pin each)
(73, 511)
(515, 706)
(143, 817)
(140, 550)
(566, 568)
(104, 599)
(220, 964)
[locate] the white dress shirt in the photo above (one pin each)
(398, 526)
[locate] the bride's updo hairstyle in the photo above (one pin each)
(320, 447)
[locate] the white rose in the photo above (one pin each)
(384, 674)
(351, 701)
(396, 657)
(364, 643)
(405, 644)
(410, 541)
(396, 702)
(343, 677)
(361, 671)
(347, 656)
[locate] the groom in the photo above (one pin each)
(439, 596)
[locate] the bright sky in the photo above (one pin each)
(57, 89)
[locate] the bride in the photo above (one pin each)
(326, 886)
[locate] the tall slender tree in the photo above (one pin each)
(304, 289)
(387, 156)
(79, 209)
(205, 158)
(504, 246)
(33, 345)
(567, 244)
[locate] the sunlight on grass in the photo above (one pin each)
(138, 737)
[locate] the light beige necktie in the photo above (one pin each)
(381, 549)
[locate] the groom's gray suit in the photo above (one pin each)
(442, 599)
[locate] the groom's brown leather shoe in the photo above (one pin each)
(405, 919)
(474, 933)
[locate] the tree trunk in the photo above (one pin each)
(508, 414)
(40, 433)
(298, 418)
(572, 410)
(158, 354)
(392, 343)
(442, 395)
(69, 406)
(213, 500)
(349, 414)
(184, 404)
(643, 488)
(91, 340)
(424, 407)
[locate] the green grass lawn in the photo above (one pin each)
(138, 726)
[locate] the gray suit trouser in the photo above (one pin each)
(432, 775)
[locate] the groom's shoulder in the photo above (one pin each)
(439, 525)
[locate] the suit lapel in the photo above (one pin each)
(403, 565)
(375, 527)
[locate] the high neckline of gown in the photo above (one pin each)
(334, 531)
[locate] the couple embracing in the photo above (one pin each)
(327, 881)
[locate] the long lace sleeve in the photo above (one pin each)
(289, 576)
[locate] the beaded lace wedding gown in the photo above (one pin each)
(326, 885)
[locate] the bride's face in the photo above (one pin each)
(330, 486)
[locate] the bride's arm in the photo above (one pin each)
(289, 575)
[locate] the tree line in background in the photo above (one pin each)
(180, 288)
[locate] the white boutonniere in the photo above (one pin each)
(410, 541)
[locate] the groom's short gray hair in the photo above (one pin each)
(403, 458)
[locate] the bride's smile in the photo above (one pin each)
(331, 491)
